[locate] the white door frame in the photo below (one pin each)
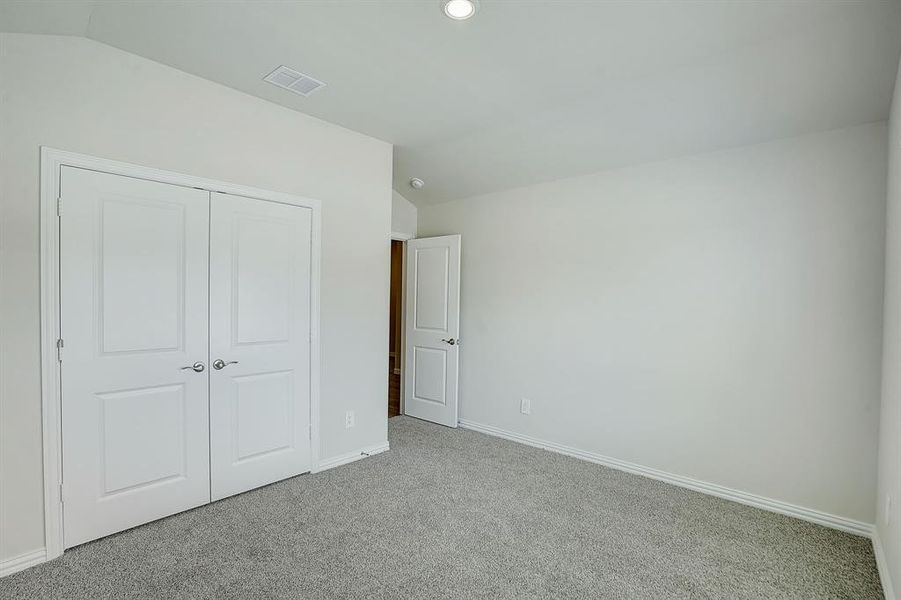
(51, 162)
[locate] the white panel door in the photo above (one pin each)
(260, 286)
(133, 286)
(433, 329)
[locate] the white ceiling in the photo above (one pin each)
(527, 90)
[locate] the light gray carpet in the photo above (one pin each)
(457, 514)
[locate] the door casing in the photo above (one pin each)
(52, 160)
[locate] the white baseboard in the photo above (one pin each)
(21, 562)
(343, 459)
(777, 506)
(882, 564)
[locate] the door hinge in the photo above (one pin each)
(62, 498)
(59, 349)
(59, 206)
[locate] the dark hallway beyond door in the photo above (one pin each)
(395, 348)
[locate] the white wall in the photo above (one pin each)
(403, 215)
(888, 526)
(717, 317)
(78, 95)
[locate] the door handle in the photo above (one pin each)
(197, 367)
(451, 341)
(220, 364)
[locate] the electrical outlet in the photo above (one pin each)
(525, 406)
(348, 419)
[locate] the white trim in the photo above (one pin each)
(777, 506)
(343, 459)
(402, 237)
(50, 370)
(315, 276)
(22, 562)
(51, 162)
(885, 575)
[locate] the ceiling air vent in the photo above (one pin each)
(293, 81)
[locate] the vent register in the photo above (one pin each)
(294, 81)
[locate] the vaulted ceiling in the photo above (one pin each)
(525, 91)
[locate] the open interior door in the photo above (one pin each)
(433, 329)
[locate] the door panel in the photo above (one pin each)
(143, 247)
(430, 364)
(433, 329)
(262, 278)
(134, 423)
(133, 285)
(264, 414)
(431, 268)
(260, 286)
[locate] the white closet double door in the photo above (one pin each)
(185, 319)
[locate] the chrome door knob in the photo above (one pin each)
(197, 367)
(220, 364)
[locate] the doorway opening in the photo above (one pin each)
(396, 326)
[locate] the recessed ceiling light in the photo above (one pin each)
(416, 183)
(459, 10)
